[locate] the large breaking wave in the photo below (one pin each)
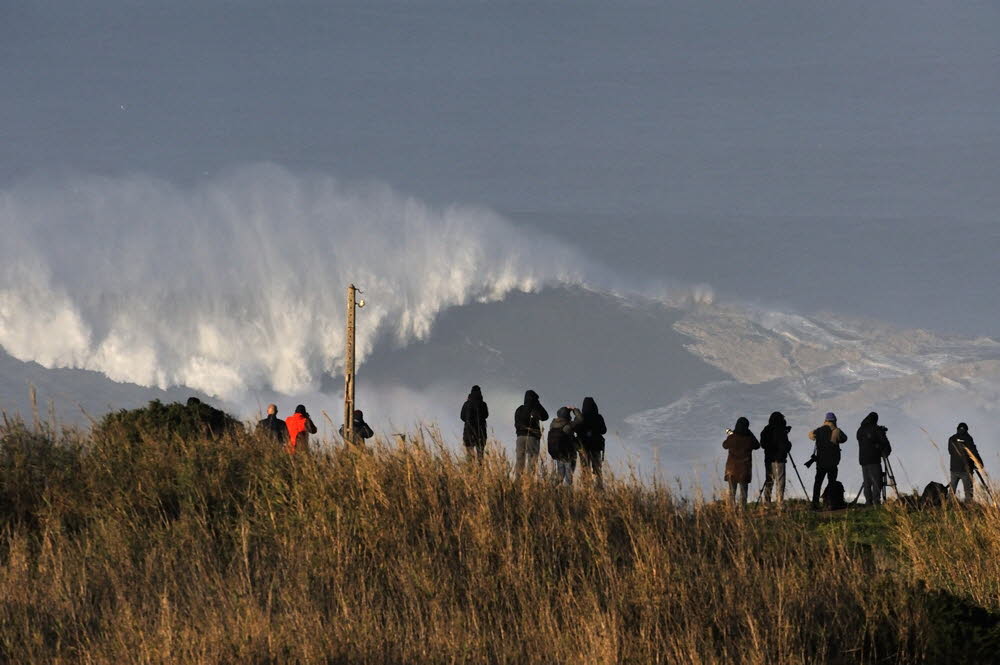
(238, 282)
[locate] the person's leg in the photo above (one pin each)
(768, 481)
(531, 448)
(953, 483)
(877, 483)
(870, 475)
(743, 494)
(967, 485)
(480, 452)
(778, 479)
(732, 492)
(818, 486)
(522, 444)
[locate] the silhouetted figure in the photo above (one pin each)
(873, 445)
(273, 426)
(300, 426)
(527, 423)
(774, 441)
(475, 411)
(964, 458)
(359, 429)
(590, 432)
(562, 442)
(739, 464)
(828, 438)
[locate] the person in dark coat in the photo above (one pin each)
(474, 414)
(873, 445)
(563, 442)
(527, 424)
(774, 441)
(964, 458)
(590, 431)
(739, 464)
(828, 438)
(273, 426)
(359, 429)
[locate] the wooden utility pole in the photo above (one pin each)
(349, 367)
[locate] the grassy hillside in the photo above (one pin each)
(165, 549)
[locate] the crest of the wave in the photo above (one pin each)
(239, 281)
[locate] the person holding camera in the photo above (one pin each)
(873, 446)
(774, 441)
(739, 464)
(828, 438)
(359, 429)
(562, 442)
(527, 424)
(300, 426)
(591, 431)
(964, 458)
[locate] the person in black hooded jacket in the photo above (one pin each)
(774, 441)
(527, 424)
(590, 431)
(474, 414)
(964, 458)
(873, 445)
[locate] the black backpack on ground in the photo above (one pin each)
(935, 494)
(833, 496)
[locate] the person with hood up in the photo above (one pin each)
(527, 424)
(590, 431)
(774, 441)
(873, 445)
(828, 438)
(359, 429)
(563, 441)
(273, 426)
(964, 458)
(300, 426)
(474, 414)
(739, 465)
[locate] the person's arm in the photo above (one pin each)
(485, 411)
(366, 431)
(725, 444)
(465, 412)
(756, 443)
(812, 435)
(602, 428)
(311, 426)
(542, 414)
(841, 437)
(886, 446)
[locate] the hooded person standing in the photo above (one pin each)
(774, 441)
(474, 415)
(964, 458)
(873, 445)
(300, 426)
(739, 464)
(527, 424)
(562, 442)
(273, 426)
(359, 429)
(590, 431)
(828, 438)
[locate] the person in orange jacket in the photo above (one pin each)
(300, 426)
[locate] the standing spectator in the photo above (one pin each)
(527, 423)
(475, 411)
(300, 426)
(774, 441)
(739, 465)
(273, 426)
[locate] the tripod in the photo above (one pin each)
(888, 479)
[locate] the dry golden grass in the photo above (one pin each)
(172, 551)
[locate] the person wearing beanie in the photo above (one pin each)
(828, 438)
(964, 458)
(562, 442)
(474, 414)
(300, 426)
(739, 463)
